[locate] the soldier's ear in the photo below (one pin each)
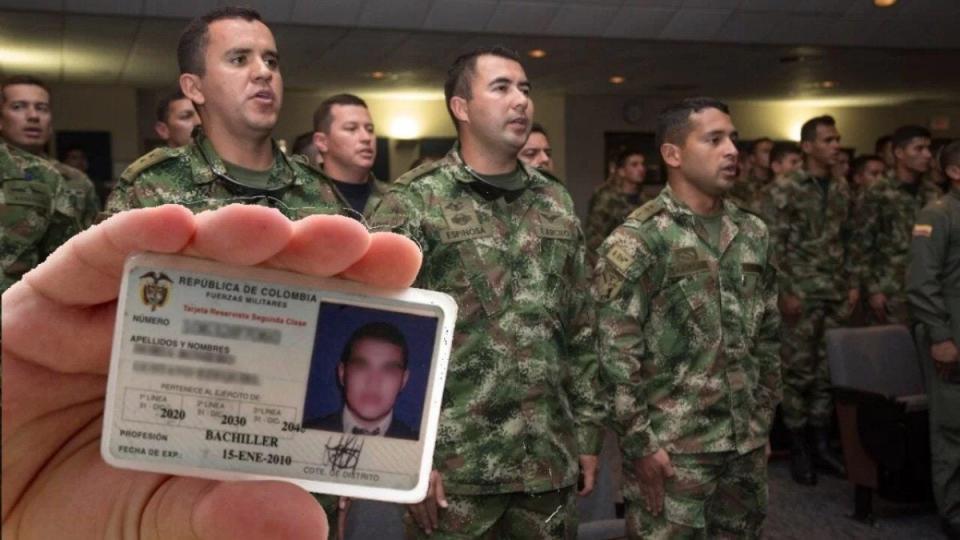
(898, 152)
(459, 107)
(670, 154)
(320, 141)
(162, 130)
(192, 88)
(952, 172)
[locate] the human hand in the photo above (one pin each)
(853, 296)
(653, 471)
(588, 467)
(945, 357)
(343, 510)
(791, 307)
(878, 304)
(426, 512)
(57, 332)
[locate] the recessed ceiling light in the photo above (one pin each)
(617, 79)
(536, 53)
(828, 84)
(378, 74)
(884, 3)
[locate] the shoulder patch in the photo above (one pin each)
(647, 211)
(418, 172)
(923, 230)
(151, 158)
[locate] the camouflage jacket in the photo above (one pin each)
(81, 191)
(35, 213)
(608, 208)
(689, 333)
(881, 240)
(193, 176)
(747, 190)
(521, 398)
(933, 274)
(810, 236)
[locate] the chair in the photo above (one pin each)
(882, 411)
(597, 511)
(374, 520)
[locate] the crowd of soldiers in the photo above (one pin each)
(660, 319)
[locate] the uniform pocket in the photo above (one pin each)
(683, 511)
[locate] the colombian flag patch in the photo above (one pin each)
(923, 230)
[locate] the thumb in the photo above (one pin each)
(441, 495)
(209, 510)
(668, 469)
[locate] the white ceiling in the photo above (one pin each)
(909, 23)
(729, 48)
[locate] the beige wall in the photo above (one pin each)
(427, 112)
(859, 126)
(576, 123)
(430, 115)
(589, 117)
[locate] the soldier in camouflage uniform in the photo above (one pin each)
(81, 191)
(27, 121)
(882, 238)
(613, 201)
(785, 158)
(344, 134)
(758, 174)
(176, 119)
(809, 220)
(520, 407)
(238, 97)
(688, 324)
(35, 215)
(932, 284)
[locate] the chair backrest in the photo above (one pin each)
(374, 520)
(880, 359)
(601, 504)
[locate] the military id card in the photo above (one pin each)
(239, 373)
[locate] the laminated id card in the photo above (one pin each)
(238, 373)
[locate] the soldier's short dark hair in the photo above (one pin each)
(323, 116)
(904, 134)
(163, 106)
(882, 141)
(192, 46)
(950, 155)
(783, 149)
(461, 73)
(757, 142)
(537, 128)
(860, 163)
(14, 80)
(808, 132)
(673, 122)
(301, 143)
(380, 331)
(624, 155)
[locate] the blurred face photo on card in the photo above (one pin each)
(373, 373)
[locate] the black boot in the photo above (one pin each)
(801, 466)
(824, 457)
